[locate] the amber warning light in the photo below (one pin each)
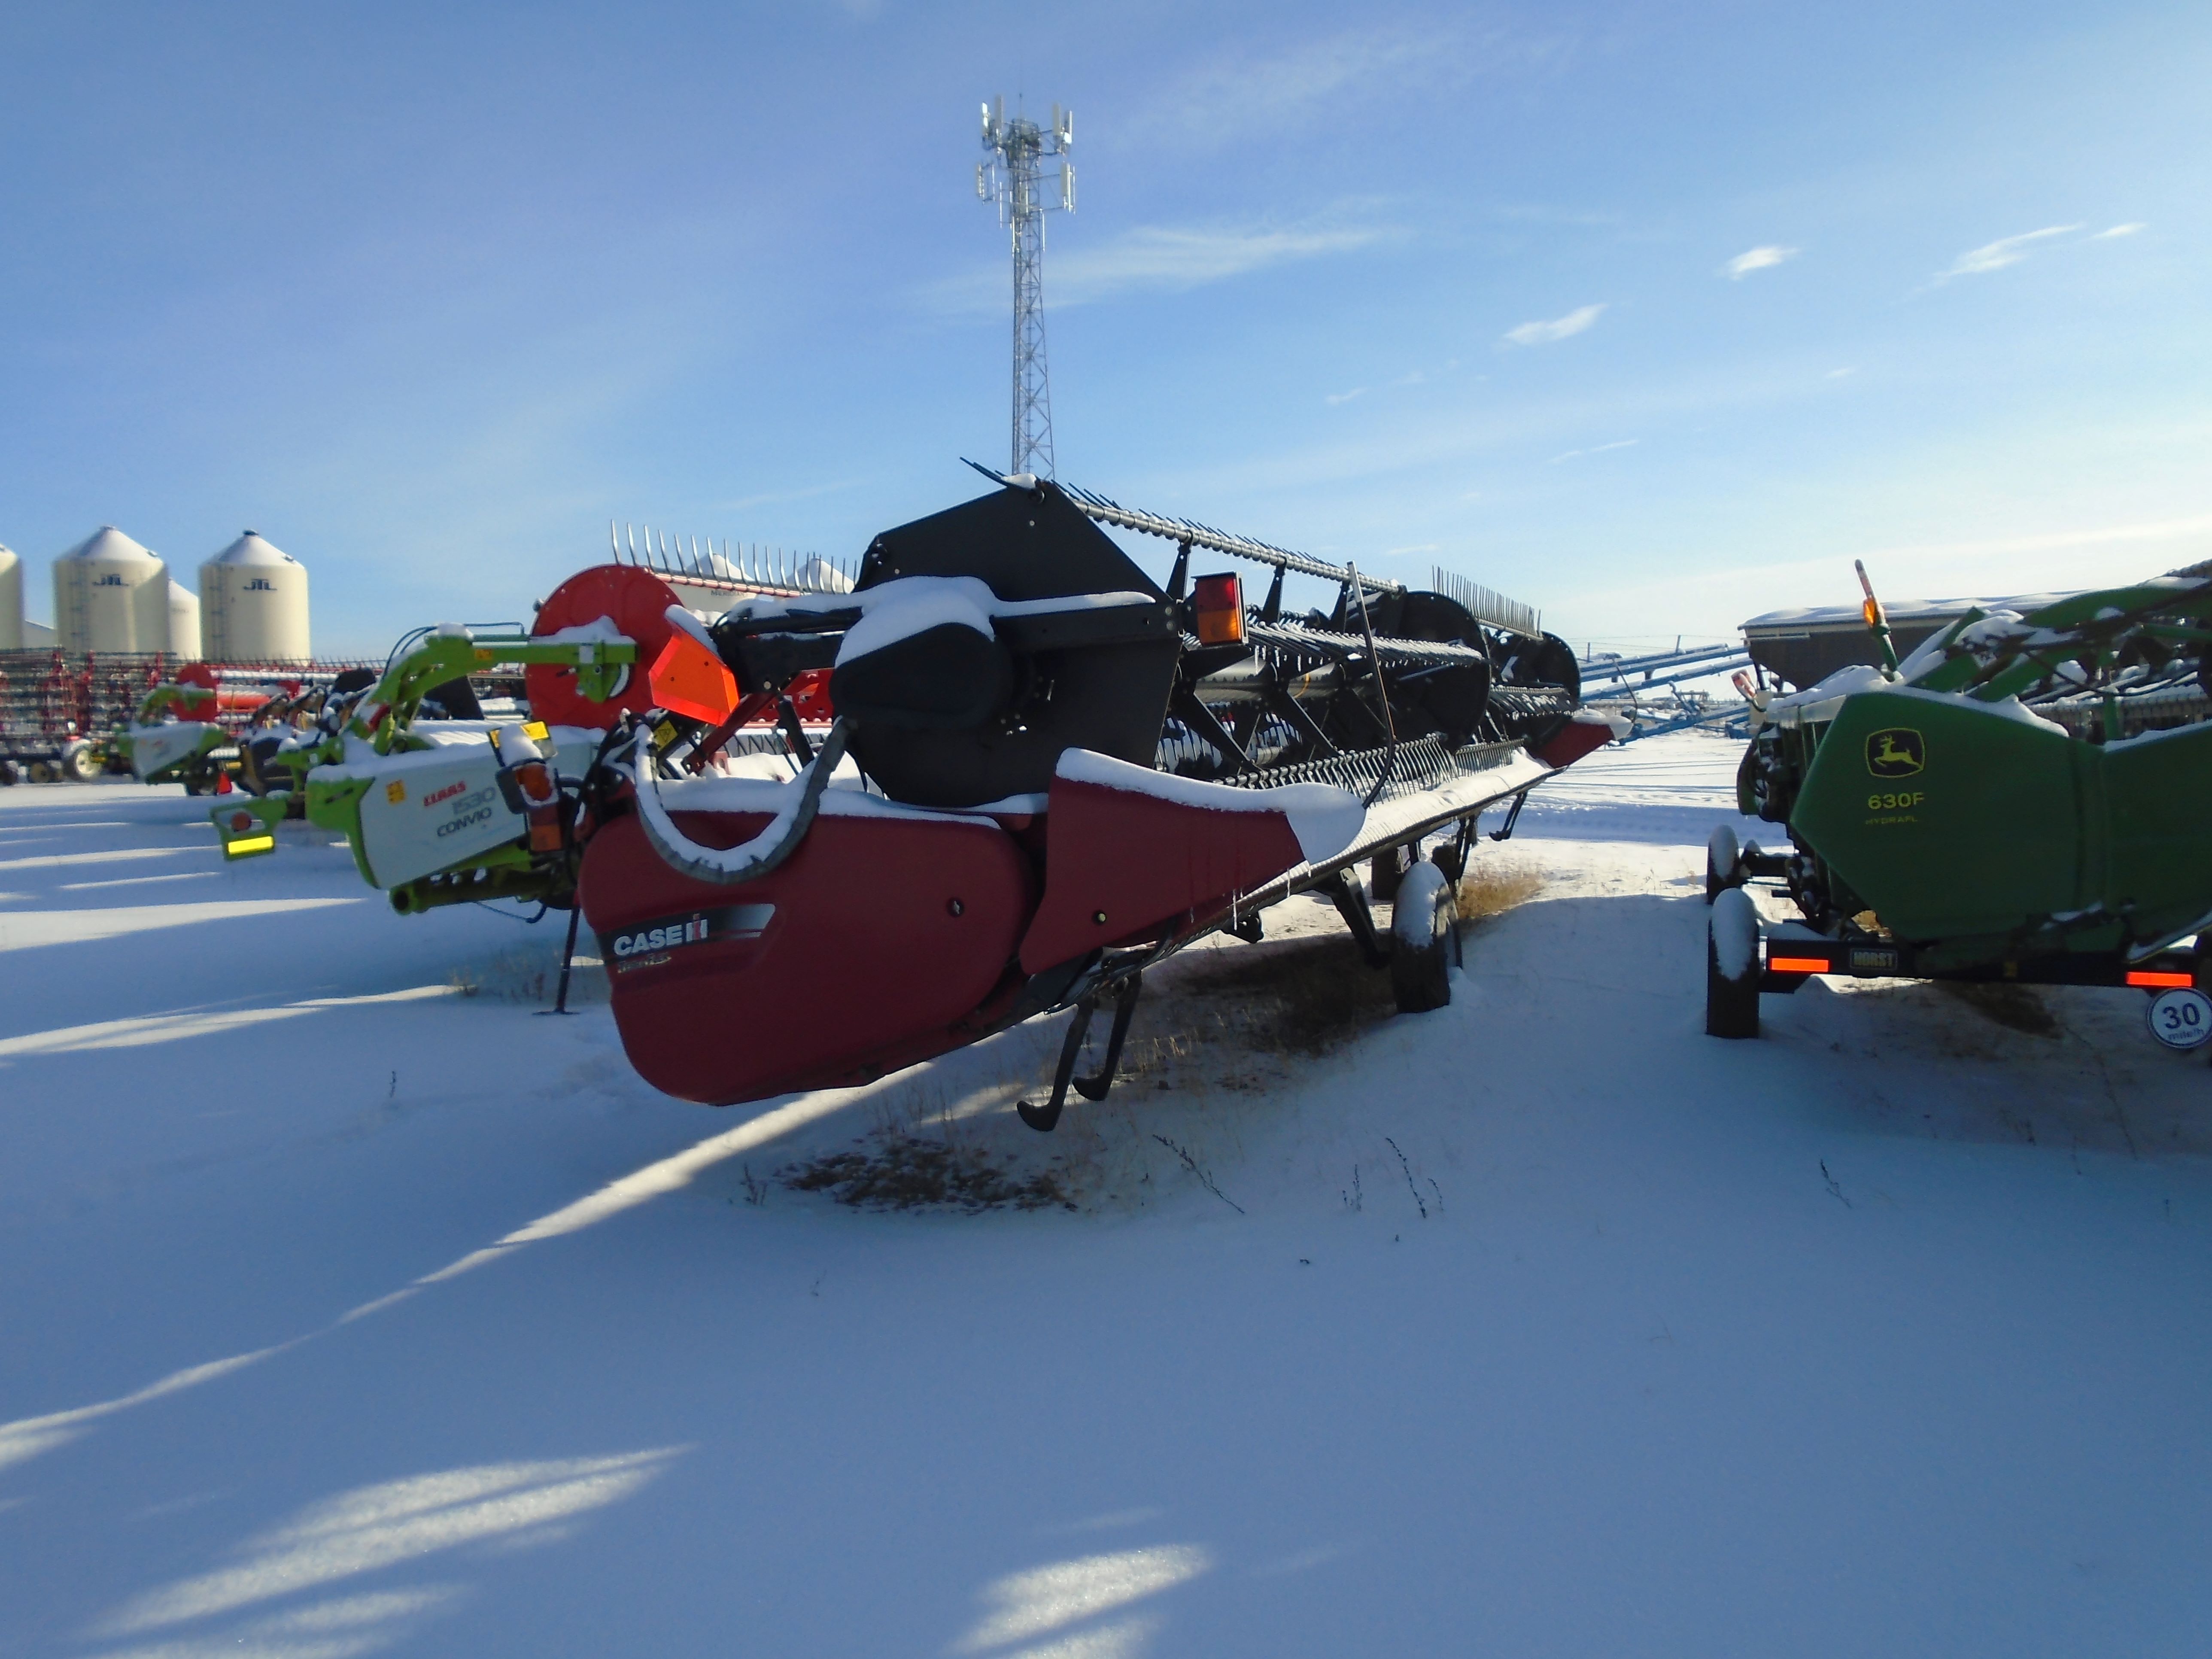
(1219, 603)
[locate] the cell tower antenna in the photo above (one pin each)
(1013, 177)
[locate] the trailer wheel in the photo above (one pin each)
(1732, 966)
(42, 771)
(11, 773)
(1424, 939)
(78, 764)
(1721, 856)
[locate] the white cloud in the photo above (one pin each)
(1160, 257)
(2119, 230)
(1232, 96)
(1758, 258)
(1839, 374)
(1336, 398)
(1558, 329)
(1620, 443)
(2006, 251)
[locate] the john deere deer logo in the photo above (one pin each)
(1898, 752)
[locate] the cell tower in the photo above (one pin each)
(1012, 177)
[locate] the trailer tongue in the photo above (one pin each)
(1047, 772)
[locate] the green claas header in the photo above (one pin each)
(1978, 811)
(441, 813)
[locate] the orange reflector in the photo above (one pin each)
(689, 679)
(1797, 964)
(1871, 608)
(1219, 603)
(2155, 981)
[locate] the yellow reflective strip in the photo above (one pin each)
(239, 849)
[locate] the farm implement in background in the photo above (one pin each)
(2024, 799)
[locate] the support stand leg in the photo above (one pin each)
(1351, 904)
(1512, 817)
(568, 957)
(1045, 1118)
(1095, 1088)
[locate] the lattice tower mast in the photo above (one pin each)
(1013, 177)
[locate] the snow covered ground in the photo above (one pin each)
(342, 1312)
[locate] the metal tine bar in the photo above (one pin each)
(1107, 511)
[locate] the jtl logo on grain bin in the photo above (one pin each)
(1897, 753)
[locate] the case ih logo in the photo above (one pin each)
(652, 942)
(1898, 752)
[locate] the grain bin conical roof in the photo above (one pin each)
(112, 544)
(252, 548)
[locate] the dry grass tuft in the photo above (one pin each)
(910, 1173)
(1305, 996)
(1491, 890)
(531, 974)
(919, 1153)
(2016, 1007)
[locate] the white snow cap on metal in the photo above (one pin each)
(255, 596)
(11, 601)
(111, 594)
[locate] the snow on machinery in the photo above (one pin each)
(1047, 774)
(439, 811)
(1982, 811)
(200, 726)
(401, 763)
(1042, 773)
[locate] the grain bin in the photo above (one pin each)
(184, 623)
(111, 594)
(11, 601)
(254, 600)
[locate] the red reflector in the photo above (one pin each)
(2150, 980)
(1219, 603)
(1797, 964)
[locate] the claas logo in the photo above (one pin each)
(1898, 752)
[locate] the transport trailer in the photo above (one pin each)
(1047, 774)
(2024, 799)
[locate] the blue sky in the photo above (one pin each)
(427, 294)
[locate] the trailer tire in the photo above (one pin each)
(78, 764)
(1732, 966)
(11, 773)
(1720, 862)
(42, 771)
(1424, 939)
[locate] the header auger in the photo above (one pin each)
(1980, 812)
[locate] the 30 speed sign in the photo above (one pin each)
(2181, 1017)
